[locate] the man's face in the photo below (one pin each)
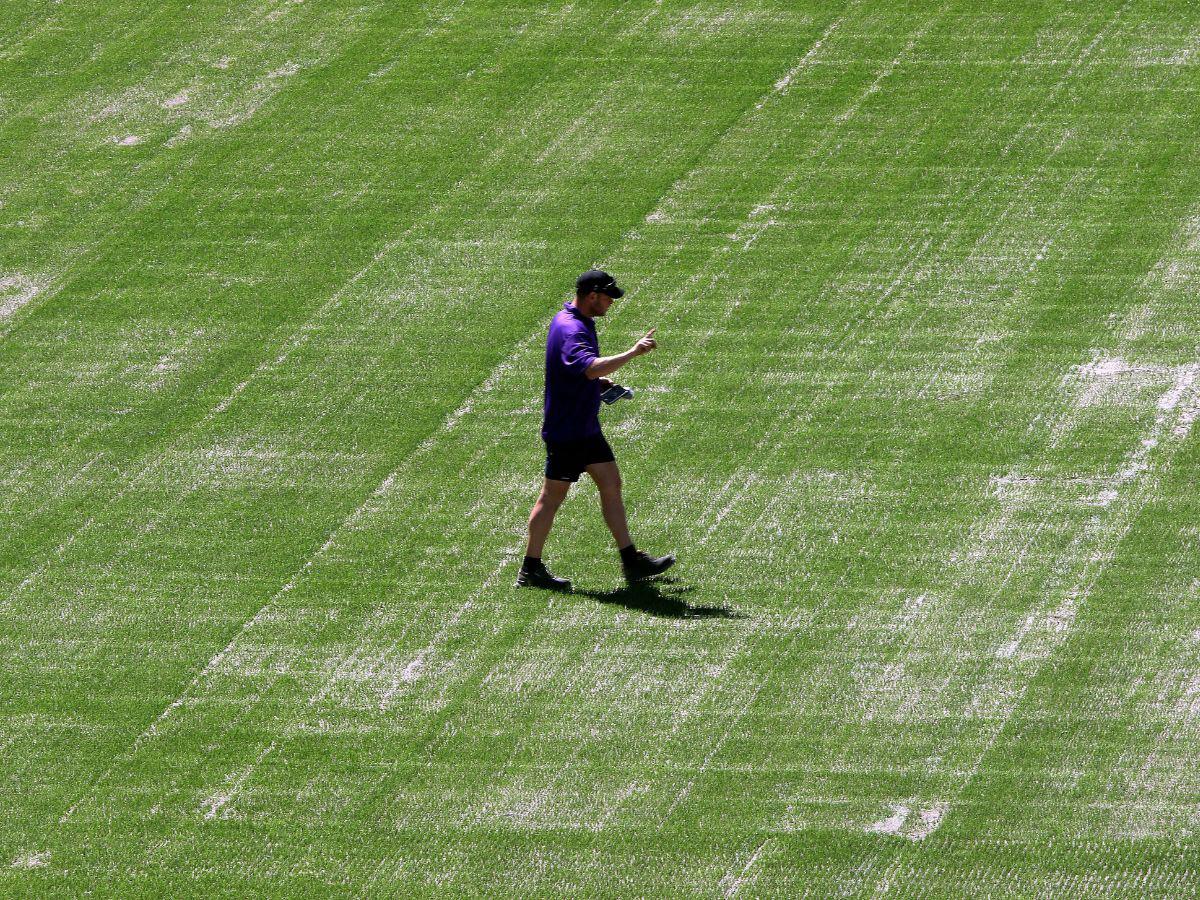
(599, 303)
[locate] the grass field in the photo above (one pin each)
(274, 284)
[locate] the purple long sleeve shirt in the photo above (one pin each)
(572, 407)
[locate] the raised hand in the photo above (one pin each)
(646, 344)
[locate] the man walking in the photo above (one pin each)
(571, 429)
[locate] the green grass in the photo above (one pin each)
(274, 282)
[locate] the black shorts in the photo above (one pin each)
(566, 460)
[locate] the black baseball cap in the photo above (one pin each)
(597, 280)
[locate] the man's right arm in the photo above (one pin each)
(606, 365)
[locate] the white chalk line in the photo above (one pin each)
(221, 800)
(736, 884)
(784, 83)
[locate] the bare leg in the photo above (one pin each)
(542, 517)
(608, 481)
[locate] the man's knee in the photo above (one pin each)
(552, 496)
(610, 490)
(607, 478)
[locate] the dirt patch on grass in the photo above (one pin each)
(16, 290)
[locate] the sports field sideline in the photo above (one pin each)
(275, 278)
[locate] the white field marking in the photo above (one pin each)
(31, 860)
(736, 884)
(416, 666)
(300, 336)
(180, 136)
(1076, 63)
(19, 476)
(930, 819)
(260, 93)
(695, 20)
(282, 9)
(171, 362)
(209, 98)
(784, 83)
(639, 26)
(1177, 273)
(64, 546)
(552, 23)
(667, 205)
(16, 290)
(1095, 379)
(1105, 380)
(1167, 56)
(486, 387)
(128, 140)
(744, 479)
(910, 613)
(513, 802)
(755, 226)
(234, 781)
(887, 71)
(613, 805)
(65, 485)
(582, 129)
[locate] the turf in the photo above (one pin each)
(274, 282)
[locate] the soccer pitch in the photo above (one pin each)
(275, 278)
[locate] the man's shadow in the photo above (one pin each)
(660, 597)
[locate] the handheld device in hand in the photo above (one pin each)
(615, 393)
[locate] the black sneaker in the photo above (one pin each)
(539, 577)
(644, 566)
